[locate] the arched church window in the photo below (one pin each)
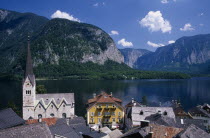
(26, 91)
(64, 105)
(39, 116)
(64, 115)
(52, 115)
(52, 106)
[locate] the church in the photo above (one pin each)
(36, 106)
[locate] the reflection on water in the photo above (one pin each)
(191, 92)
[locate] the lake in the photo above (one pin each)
(190, 92)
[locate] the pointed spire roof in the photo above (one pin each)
(29, 66)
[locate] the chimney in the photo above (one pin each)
(150, 133)
(94, 95)
(132, 100)
(144, 123)
(111, 93)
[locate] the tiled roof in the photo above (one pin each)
(8, 118)
(62, 129)
(159, 131)
(198, 111)
(48, 121)
(193, 132)
(39, 130)
(104, 98)
(161, 120)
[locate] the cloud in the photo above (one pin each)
(95, 5)
(125, 43)
(155, 22)
(64, 15)
(113, 32)
(164, 1)
(154, 44)
(201, 24)
(171, 42)
(187, 27)
(201, 14)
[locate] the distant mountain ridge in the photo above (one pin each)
(131, 55)
(188, 54)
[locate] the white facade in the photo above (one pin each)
(36, 106)
(140, 113)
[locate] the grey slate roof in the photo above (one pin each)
(38, 130)
(193, 132)
(197, 110)
(77, 120)
(8, 118)
(115, 133)
(62, 129)
(187, 122)
(161, 120)
(69, 97)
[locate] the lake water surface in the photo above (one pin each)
(191, 92)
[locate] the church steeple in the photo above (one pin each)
(29, 66)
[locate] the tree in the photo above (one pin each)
(40, 89)
(144, 100)
(12, 105)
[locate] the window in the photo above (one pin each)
(99, 120)
(99, 113)
(64, 115)
(107, 105)
(64, 105)
(119, 119)
(92, 113)
(141, 113)
(39, 116)
(51, 106)
(113, 119)
(91, 120)
(52, 115)
(39, 106)
(119, 113)
(113, 113)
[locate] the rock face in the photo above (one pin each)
(188, 54)
(132, 55)
(51, 41)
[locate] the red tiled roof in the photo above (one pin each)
(48, 121)
(104, 98)
(160, 131)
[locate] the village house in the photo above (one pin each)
(36, 106)
(138, 113)
(201, 112)
(105, 110)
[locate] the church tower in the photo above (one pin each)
(29, 88)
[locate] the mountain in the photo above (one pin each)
(131, 55)
(52, 41)
(188, 54)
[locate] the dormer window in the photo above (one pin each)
(165, 113)
(141, 112)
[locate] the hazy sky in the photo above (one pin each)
(145, 24)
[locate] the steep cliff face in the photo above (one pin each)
(52, 41)
(73, 41)
(132, 55)
(186, 54)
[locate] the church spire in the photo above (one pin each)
(29, 66)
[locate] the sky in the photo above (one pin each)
(139, 24)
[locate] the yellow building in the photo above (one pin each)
(105, 110)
